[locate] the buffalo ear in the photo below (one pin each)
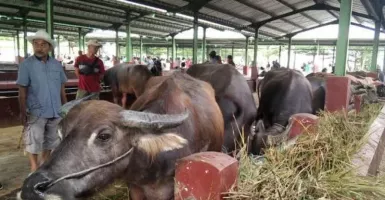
(153, 144)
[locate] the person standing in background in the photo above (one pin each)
(41, 81)
(90, 70)
(230, 60)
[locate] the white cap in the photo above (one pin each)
(94, 43)
(42, 35)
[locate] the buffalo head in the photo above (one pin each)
(95, 133)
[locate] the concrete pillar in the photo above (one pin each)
(289, 52)
(49, 21)
(128, 43)
(204, 45)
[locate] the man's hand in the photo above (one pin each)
(23, 118)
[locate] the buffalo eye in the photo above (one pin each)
(104, 136)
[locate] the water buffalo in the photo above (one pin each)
(173, 117)
(283, 92)
(111, 79)
(233, 96)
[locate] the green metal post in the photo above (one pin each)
(334, 53)
(204, 45)
(373, 66)
(343, 37)
(49, 20)
(80, 39)
(117, 43)
(195, 40)
(173, 49)
(168, 53)
(58, 45)
(232, 50)
(128, 43)
(141, 49)
(25, 37)
(18, 43)
(279, 56)
(246, 50)
(84, 41)
(256, 47)
(289, 52)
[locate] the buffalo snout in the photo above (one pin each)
(38, 187)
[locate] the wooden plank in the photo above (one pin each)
(368, 159)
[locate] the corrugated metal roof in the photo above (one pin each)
(234, 15)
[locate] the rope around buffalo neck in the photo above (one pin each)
(86, 171)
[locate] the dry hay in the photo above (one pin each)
(317, 167)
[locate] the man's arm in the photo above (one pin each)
(64, 79)
(23, 104)
(23, 81)
(76, 66)
(63, 95)
(102, 69)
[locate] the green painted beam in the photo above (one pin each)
(141, 49)
(80, 39)
(117, 43)
(373, 66)
(49, 20)
(128, 43)
(256, 47)
(343, 37)
(247, 51)
(204, 45)
(195, 39)
(18, 43)
(289, 51)
(25, 37)
(173, 49)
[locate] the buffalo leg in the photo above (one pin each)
(124, 100)
(136, 193)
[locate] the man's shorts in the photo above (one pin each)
(41, 134)
(82, 93)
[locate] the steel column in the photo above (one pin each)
(117, 43)
(289, 52)
(373, 66)
(343, 37)
(141, 49)
(80, 39)
(128, 43)
(195, 40)
(18, 44)
(83, 42)
(25, 37)
(246, 50)
(49, 21)
(232, 50)
(279, 56)
(58, 46)
(204, 45)
(256, 47)
(173, 49)
(334, 52)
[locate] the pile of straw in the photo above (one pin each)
(317, 167)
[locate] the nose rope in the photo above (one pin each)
(86, 171)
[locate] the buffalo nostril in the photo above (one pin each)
(41, 187)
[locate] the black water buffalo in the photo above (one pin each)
(233, 96)
(173, 117)
(319, 91)
(283, 92)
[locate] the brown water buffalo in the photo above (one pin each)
(173, 117)
(233, 96)
(283, 92)
(111, 79)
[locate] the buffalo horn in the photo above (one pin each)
(151, 120)
(69, 105)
